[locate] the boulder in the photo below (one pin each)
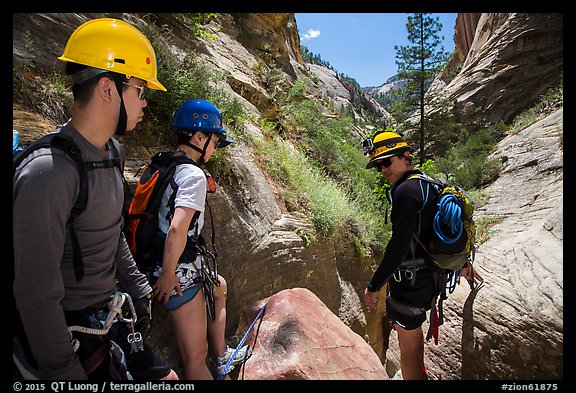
(298, 337)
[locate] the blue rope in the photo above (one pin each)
(225, 370)
(448, 216)
(452, 280)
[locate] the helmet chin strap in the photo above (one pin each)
(201, 151)
(122, 117)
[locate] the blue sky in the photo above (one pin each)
(361, 45)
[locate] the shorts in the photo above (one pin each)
(142, 365)
(190, 282)
(176, 301)
(407, 301)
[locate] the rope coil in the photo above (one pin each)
(448, 216)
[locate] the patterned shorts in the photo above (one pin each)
(190, 282)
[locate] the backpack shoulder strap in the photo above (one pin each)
(68, 146)
(432, 184)
(184, 159)
(109, 163)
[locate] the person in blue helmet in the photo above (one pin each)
(180, 284)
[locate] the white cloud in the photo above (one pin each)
(311, 33)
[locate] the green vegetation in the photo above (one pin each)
(484, 229)
(196, 22)
(313, 58)
(545, 105)
(320, 169)
(419, 63)
(48, 95)
(184, 78)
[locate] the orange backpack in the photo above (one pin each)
(141, 219)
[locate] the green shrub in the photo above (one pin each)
(184, 78)
(467, 164)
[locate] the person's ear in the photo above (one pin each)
(104, 88)
(196, 137)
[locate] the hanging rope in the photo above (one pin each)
(225, 370)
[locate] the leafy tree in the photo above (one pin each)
(419, 62)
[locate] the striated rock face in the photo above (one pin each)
(464, 32)
(513, 327)
(272, 37)
(512, 59)
(300, 338)
(330, 85)
(519, 315)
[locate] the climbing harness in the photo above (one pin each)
(409, 267)
(209, 274)
(117, 368)
(404, 308)
(117, 300)
(259, 316)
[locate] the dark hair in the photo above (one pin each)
(184, 137)
(83, 91)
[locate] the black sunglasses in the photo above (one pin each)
(383, 163)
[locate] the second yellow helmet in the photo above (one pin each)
(382, 145)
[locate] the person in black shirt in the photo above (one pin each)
(405, 267)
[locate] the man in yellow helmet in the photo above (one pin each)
(78, 292)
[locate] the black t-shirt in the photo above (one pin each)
(413, 209)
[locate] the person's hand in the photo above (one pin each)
(371, 298)
(143, 308)
(164, 286)
(474, 279)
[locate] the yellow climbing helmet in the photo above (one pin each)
(382, 145)
(113, 45)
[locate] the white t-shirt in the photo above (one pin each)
(191, 192)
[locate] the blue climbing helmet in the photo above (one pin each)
(201, 115)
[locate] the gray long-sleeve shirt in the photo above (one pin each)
(45, 187)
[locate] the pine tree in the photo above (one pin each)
(418, 63)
